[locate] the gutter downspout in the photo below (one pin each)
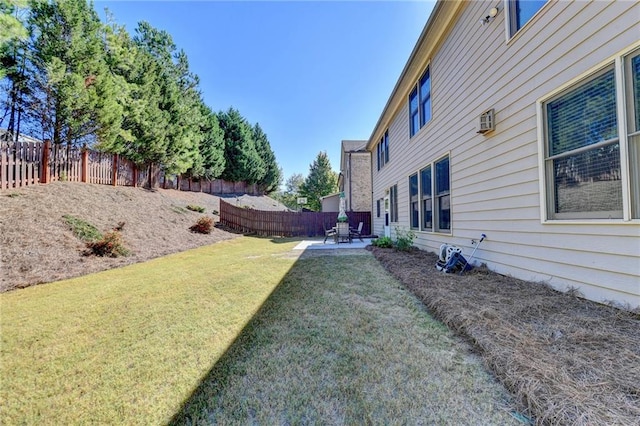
(350, 172)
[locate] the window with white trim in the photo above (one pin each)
(585, 146)
(429, 212)
(414, 203)
(442, 195)
(393, 206)
(420, 103)
(519, 12)
(383, 150)
(426, 199)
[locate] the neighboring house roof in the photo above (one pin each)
(337, 194)
(21, 138)
(351, 146)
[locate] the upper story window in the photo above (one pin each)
(420, 103)
(383, 150)
(425, 98)
(520, 12)
(585, 146)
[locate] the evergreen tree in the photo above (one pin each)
(13, 60)
(273, 176)
(242, 161)
(321, 181)
(73, 97)
(209, 163)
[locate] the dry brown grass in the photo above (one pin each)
(37, 246)
(568, 360)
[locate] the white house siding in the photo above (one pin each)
(495, 185)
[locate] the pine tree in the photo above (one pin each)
(13, 60)
(242, 161)
(73, 97)
(273, 176)
(321, 181)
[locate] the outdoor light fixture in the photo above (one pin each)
(490, 15)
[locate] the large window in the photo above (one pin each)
(584, 146)
(420, 104)
(383, 150)
(414, 204)
(427, 199)
(430, 197)
(520, 12)
(393, 208)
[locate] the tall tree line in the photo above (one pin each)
(68, 77)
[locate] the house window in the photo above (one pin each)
(443, 195)
(425, 98)
(420, 104)
(520, 12)
(414, 204)
(584, 143)
(426, 199)
(393, 196)
(383, 150)
(378, 208)
(414, 116)
(632, 72)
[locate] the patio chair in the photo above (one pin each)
(357, 232)
(329, 233)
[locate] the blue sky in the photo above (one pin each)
(311, 73)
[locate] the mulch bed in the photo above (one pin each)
(566, 359)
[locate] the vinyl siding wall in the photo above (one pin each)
(495, 185)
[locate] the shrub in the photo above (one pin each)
(382, 242)
(404, 239)
(82, 229)
(195, 208)
(110, 245)
(203, 225)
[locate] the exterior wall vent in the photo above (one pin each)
(486, 122)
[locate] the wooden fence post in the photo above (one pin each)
(85, 164)
(44, 177)
(114, 170)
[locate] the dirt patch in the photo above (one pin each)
(568, 360)
(37, 246)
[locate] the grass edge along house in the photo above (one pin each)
(520, 120)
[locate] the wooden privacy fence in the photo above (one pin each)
(287, 224)
(26, 163)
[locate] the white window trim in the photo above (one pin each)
(434, 229)
(621, 106)
(416, 85)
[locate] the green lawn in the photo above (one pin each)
(129, 345)
(237, 332)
